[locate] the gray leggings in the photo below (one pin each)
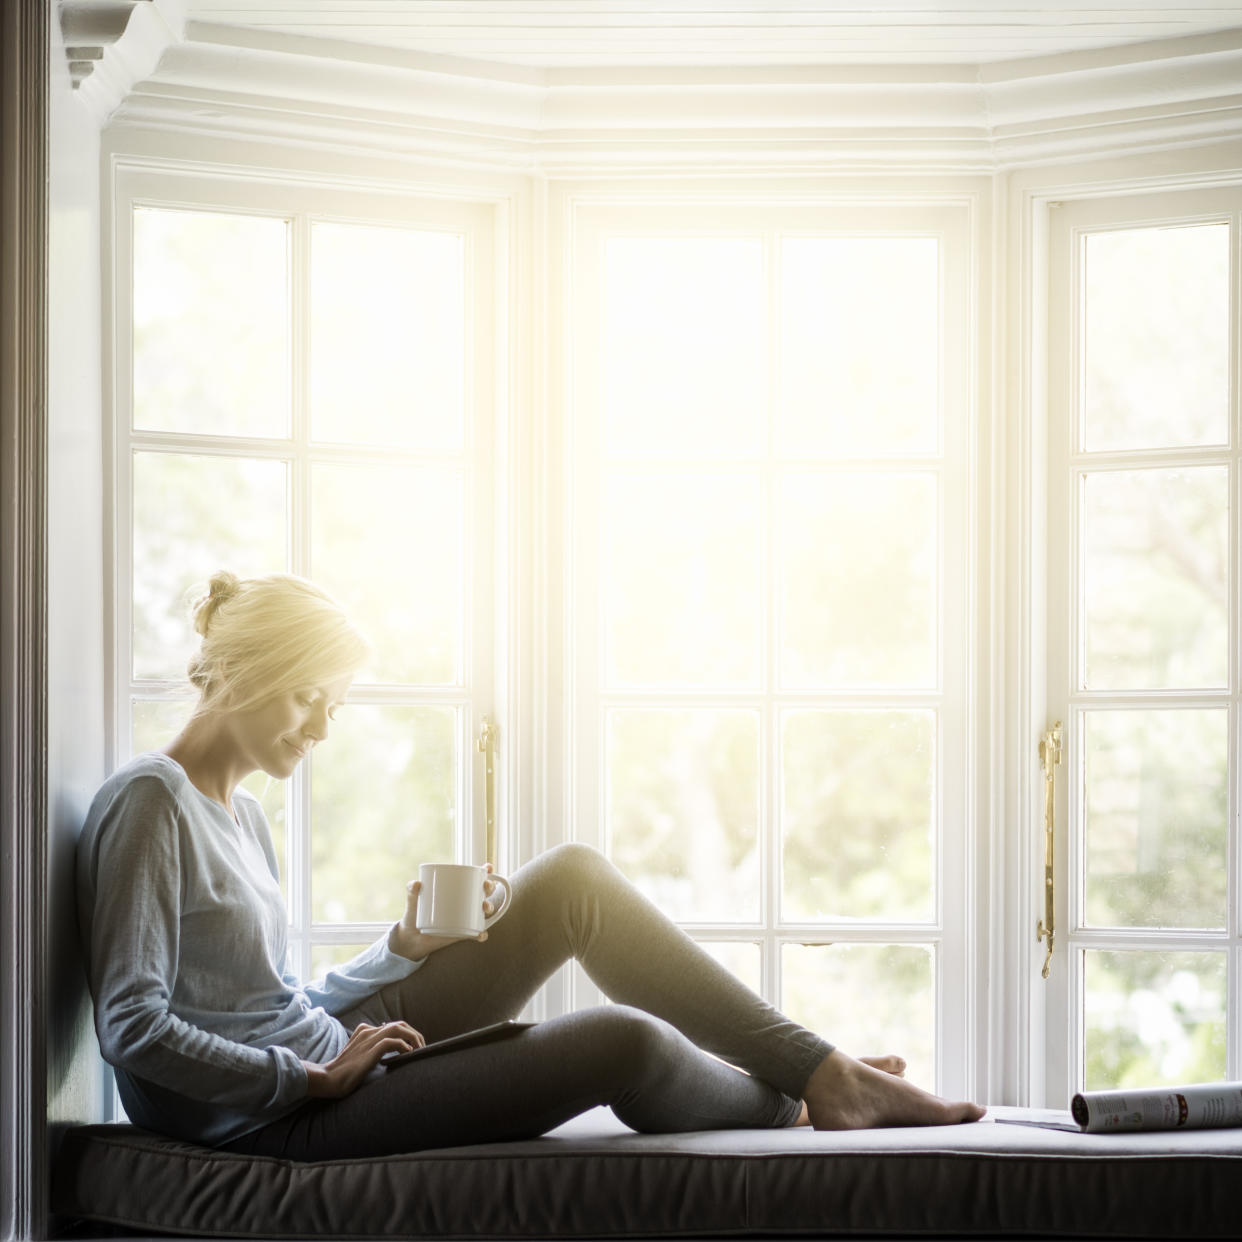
(646, 1056)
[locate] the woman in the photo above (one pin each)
(215, 1042)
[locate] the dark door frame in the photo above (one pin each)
(25, 27)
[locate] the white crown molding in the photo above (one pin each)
(1127, 131)
(113, 44)
(234, 81)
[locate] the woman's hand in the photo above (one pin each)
(406, 940)
(360, 1055)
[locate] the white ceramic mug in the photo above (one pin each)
(450, 902)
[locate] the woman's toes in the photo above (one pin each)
(889, 1064)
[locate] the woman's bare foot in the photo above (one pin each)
(847, 1094)
(890, 1064)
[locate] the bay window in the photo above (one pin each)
(758, 613)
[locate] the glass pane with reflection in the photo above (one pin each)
(389, 543)
(684, 346)
(1155, 337)
(383, 800)
(1156, 578)
(868, 999)
(682, 818)
(155, 722)
(681, 586)
(857, 814)
(211, 323)
(860, 345)
(388, 337)
(859, 580)
(194, 515)
(1156, 793)
(1153, 1018)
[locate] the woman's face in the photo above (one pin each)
(279, 734)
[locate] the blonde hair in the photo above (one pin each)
(262, 637)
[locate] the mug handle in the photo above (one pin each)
(508, 901)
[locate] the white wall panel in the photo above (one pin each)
(75, 583)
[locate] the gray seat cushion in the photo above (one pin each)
(594, 1178)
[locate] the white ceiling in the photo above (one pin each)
(728, 32)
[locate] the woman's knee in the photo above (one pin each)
(576, 863)
(640, 1046)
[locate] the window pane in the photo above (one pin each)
(1156, 589)
(739, 957)
(155, 722)
(325, 956)
(383, 800)
(860, 345)
(857, 815)
(858, 580)
(1154, 1018)
(682, 592)
(389, 543)
(684, 346)
(192, 516)
(1156, 785)
(211, 323)
(1155, 342)
(388, 337)
(868, 999)
(683, 809)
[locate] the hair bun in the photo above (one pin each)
(222, 587)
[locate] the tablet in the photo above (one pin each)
(467, 1039)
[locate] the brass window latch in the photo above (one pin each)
(487, 748)
(1049, 757)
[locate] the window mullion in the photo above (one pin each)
(298, 809)
(208, 445)
(1233, 862)
(770, 821)
(770, 712)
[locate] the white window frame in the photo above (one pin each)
(953, 219)
(489, 687)
(1060, 1000)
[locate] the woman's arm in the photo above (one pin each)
(131, 885)
(394, 956)
(350, 983)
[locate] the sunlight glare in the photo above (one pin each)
(210, 323)
(388, 328)
(682, 579)
(684, 346)
(860, 346)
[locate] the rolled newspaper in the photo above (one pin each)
(1197, 1106)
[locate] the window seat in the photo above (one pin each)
(594, 1178)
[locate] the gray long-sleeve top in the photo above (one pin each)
(186, 938)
